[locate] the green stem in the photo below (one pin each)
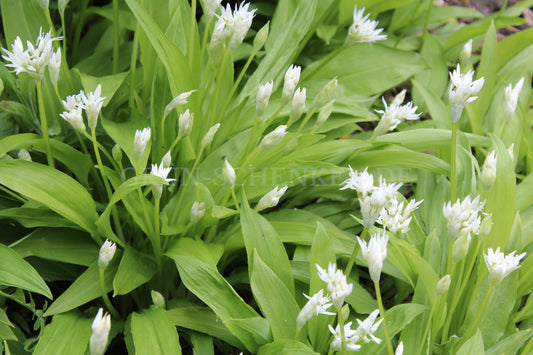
(474, 323)
(106, 153)
(44, 124)
(105, 297)
(235, 199)
(505, 125)
(306, 118)
(62, 16)
(142, 202)
(218, 85)
(341, 326)
(49, 21)
(453, 164)
(384, 323)
(351, 262)
(502, 9)
(157, 233)
(182, 193)
(238, 81)
(204, 41)
(191, 33)
(79, 26)
(133, 64)
(426, 330)
(116, 38)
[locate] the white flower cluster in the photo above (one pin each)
(100, 333)
(365, 332)
(363, 29)
(462, 91)
(511, 99)
(338, 287)
(375, 252)
(463, 217)
(317, 304)
(271, 198)
(35, 58)
(162, 171)
(395, 113)
(500, 265)
(91, 103)
(231, 27)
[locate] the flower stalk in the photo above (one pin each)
(44, 124)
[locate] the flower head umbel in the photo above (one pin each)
(488, 173)
(197, 211)
(273, 138)
(185, 122)
(139, 143)
(92, 104)
(317, 304)
(162, 172)
(231, 27)
(394, 114)
(338, 287)
(462, 91)
(396, 218)
(368, 327)
(292, 77)
(511, 99)
(271, 198)
(179, 100)
(210, 7)
(75, 118)
(363, 29)
(463, 217)
(500, 265)
(107, 251)
(100, 332)
(34, 59)
(350, 338)
(375, 252)
(363, 181)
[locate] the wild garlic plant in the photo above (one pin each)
(183, 176)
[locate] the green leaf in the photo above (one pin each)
(511, 344)
(56, 190)
(68, 333)
(86, 288)
(259, 235)
(16, 272)
(22, 19)
(65, 245)
(473, 346)
(196, 264)
(135, 269)
(275, 300)
(154, 333)
(286, 347)
(110, 83)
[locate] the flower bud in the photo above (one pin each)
(43, 4)
(107, 251)
(117, 153)
(273, 138)
(399, 349)
(157, 299)
(208, 138)
(292, 77)
(324, 114)
(325, 94)
(139, 143)
(55, 66)
(100, 333)
(443, 285)
(398, 99)
(485, 227)
(261, 37)
(298, 105)
(23, 154)
(262, 98)
(167, 160)
(291, 145)
(197, 211)
(460, 247)
(271, 199)
(62, 5)
(511, 99)
(75, 118)
(229, 173)
(466, 53)
(185, 122)
(488, 173)
(179, 100)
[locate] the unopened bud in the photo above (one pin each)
(273, 138)
(62, 5)
(100, 333)
(292, 77)
(324, 114)
(443, 285)
(261, 37)
(229, 173)
(466, 53)
(298, 105)
(485, 226)
(167, 160)
(157, 299)
(345, 312)
(197, 211)
(179, 100)
(325, 94)
(23, 154)
(460, 247)
(208, 138)
(263, 96)
(488, 173)
(185, 122)
(117, 153)
(271, 199)
(43, 4)
(107, 251)
(291, 145)
(398, 99)
(139, 143)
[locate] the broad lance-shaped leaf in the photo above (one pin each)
(154, 333)
(259, 235)
(68, 333)
(52, 188)
(16, 272)
(134, 270)
(196, 263)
